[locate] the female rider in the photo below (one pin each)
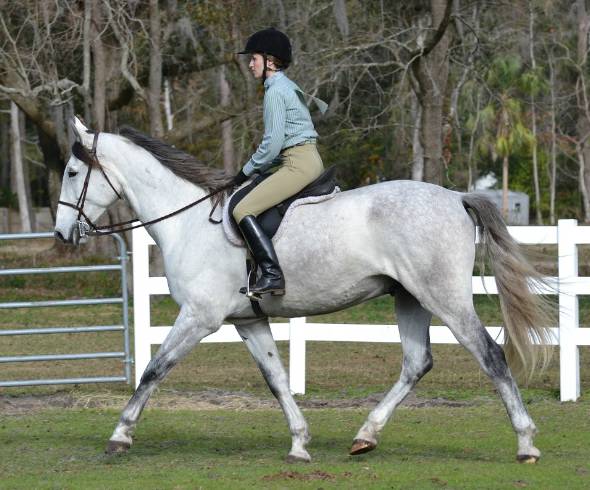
(289, 141)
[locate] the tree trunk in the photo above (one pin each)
(583, 187)
(583, 123)
(505, 187)
(247, 119)
(471, 162)
(4, 152)
(54, 163)
(22, 185)
(86, 59)
(341, 17)
(99, 102)
(431, 72)
(155, 92)
(553, 170)
(538, 213)
(227, 136)
(168, 105)
(417, 150)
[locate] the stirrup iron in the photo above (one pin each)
(251, 268)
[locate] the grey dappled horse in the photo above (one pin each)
(410, 239)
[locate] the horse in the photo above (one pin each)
(413, 240)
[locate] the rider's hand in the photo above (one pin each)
(240, 178)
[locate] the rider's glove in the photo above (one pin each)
(240, 178)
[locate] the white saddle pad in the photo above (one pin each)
(236, 238)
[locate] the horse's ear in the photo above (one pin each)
(82, 133)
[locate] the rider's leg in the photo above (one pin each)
(302, 166)
(260, 245)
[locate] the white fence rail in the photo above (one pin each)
(569, 336)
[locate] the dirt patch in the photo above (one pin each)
(203, 400)
(296, 475)
(22, 405)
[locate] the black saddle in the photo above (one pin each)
(270, 219)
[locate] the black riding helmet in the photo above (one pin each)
(269, 42)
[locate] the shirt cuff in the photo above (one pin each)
(249, 168)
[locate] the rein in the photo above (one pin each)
(88, 227)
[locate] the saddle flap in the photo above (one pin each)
(271, 218)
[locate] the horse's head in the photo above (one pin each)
(87, 189)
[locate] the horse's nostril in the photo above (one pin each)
(59, 236)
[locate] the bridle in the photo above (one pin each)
(88, 227)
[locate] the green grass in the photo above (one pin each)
(465, 447)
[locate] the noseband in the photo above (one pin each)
(87, 227)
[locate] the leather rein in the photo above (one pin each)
(88, 227)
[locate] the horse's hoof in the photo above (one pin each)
(527, 458)
(117, 447)
(293, 458)
(360, 446)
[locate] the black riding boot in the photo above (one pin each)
(264, 254)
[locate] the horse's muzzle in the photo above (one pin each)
(72, 239)
(58, 236)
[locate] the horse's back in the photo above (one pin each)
(413, 210)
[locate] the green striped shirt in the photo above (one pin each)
(287, 121)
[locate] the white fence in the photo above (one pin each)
(567, 235)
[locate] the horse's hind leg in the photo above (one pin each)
(187, 332)
(471, 333)
(414, 322)
(258, 338)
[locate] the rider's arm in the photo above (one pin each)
(275, 116)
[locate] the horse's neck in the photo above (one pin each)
(153, 191)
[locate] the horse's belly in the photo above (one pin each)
(315, 299)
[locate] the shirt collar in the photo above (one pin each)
(270, 80)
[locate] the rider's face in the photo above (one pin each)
(256, 65)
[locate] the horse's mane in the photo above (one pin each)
(182, 164)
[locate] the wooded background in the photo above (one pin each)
(437, 90)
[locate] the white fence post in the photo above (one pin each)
(569, 321)
(141, 301)
(297, 328)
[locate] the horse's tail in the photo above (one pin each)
(526, 315)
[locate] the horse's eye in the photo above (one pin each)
(72, 173)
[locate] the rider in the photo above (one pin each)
(289, 143)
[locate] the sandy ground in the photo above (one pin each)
(205, 400)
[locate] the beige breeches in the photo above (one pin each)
(302, 164)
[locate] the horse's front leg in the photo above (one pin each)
(188, 331)
(258, 338)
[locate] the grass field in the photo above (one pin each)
(453, 433)
(459, 447)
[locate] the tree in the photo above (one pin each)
(22, 185)
(532, 82)
(431, 70)
(155, 90)
(502, 119)
(583, 122)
